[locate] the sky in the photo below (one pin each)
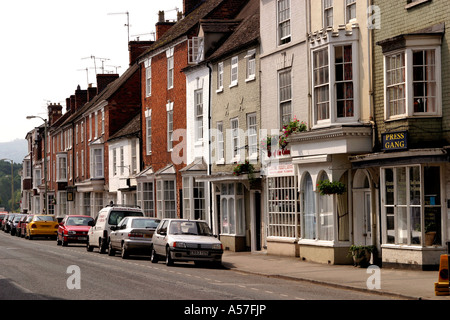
(47, 45)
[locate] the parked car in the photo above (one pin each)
(42, 225)
(98, 235)
(132, 235)
(8, 222)
(185, 240)
(73, 229)
(23, 225)
(15, 223)
(5, 218)
(2, 216)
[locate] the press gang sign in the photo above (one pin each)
(395, 140)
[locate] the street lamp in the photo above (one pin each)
(45, 159)
(12, 182)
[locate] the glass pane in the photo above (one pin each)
(389, 182)
(390, 225)
(401, 186)
(433, 226)
(414, 185)
(432, 186)
(416, 227)
(402, 225)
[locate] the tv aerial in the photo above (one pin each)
(128, 21)
(95, 63)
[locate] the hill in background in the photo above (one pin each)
(15, 150)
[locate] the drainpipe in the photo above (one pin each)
(209, 170)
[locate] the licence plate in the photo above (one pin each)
(147, 236)
(199, 253)
(82, 238)
(44, 226)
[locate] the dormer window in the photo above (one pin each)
(195, 50)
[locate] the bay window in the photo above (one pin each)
(335, 76)
(413, 81)
(282, 201)
(166, 199)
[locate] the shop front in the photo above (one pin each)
(414, 211)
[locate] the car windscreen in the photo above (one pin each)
(78, 221)
(144, 223)
(17, 218)
(117, 215)
(190, 227)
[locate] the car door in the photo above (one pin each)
(159, 236)
(121, 231)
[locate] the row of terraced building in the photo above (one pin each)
(243, 112)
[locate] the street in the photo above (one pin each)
(41, 270)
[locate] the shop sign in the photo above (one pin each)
(281, 170)
(395, 140)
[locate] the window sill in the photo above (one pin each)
(220, 90)
(253, 78)
(406, 117)
(233, 85)
(415, 4)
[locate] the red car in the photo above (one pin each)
(22, 227)
(73, 229)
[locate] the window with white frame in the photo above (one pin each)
(220, 76)
(170, 129)
(103, 121)
(413, 83)
(114, 156)
(284, 21)
(335, 84)
(325, 214)
(148, 77)
(195, 50)
(170, 68)
(327, 13)
(350, 10)
(198, 102)
(252, 136)
(194, 199)
(285, 96)
(37, 180)
(86, 203)
(251, 64)
(232, 209)
(97, 162)
(235, 138)
(411, 205)
(122, 161)
(146, 197)
(62, 203)
(220, 156)
(166, 199)
(282, 212)
(148, 131)
(234, 71)
(308, 209)
(134, 162)
(61, 167)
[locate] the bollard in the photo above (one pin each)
(442, 287)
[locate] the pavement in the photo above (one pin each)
(393, 283)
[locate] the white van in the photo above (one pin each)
(98, 235)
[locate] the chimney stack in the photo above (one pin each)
(162, 26)
(54, 113)
(190, 5)
(104, 79)
(136, 48)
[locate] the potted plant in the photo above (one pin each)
(430, 233)
(266, 144)
(361, 255)
(326, 187)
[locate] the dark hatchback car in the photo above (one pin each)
(15, 223)
(8, 222)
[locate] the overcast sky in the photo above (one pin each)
(46, 46)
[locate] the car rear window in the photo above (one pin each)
(144, 223)
(44, 218)
(116, 216)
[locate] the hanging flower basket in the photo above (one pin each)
(293, 126)
(325, 187)
(243, 168)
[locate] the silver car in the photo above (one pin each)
(132, 235)
(185, 240)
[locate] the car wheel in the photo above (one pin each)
(169, 261)
(89, 248)
(101, 246)
(154, 257)
(64, 243)
(124, 252)
(111, 251)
